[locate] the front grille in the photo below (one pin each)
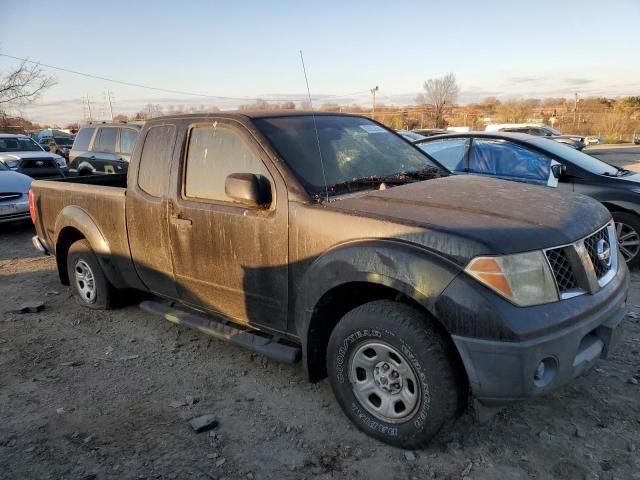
(562, 270)
(38, 163)
(6, 196)
(576, 267)
(591, 244)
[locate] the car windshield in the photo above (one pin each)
(576, 157)
(356, 152)
(18, 144)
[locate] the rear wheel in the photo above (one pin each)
(628, 233)
(89, 283)
(393, 373)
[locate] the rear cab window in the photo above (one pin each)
(155, 160)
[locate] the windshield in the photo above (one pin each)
(576, 157)
(18, 144)
(353, 148)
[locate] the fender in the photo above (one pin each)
(406, 267)
(620, 205)
(76, 217)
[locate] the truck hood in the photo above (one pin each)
(11, 181)
(465, 215)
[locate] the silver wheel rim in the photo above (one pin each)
(85, 281)
(384, 382)
(628, 241)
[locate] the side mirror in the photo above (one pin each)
(558, 170)
(248, 189)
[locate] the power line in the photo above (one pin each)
(166, 90)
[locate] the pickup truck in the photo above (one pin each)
(329, 239)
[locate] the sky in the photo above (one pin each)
(251, 49)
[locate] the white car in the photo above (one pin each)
(24, 155)
(14, 195)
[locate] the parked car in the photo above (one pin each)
(22, 154)
(103, 148)
(411, 136)
(636, 139)
(529, 159)
(59, 145)
(593, 140)
(327, 238)
(539, 130)
(428, 132)
(14, 195)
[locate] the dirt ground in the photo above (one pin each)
(96, 395)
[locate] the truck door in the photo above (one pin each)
(146, 209)
(229, 258)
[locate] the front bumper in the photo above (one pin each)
(548, 345)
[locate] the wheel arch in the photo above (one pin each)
(358, 273)
(75, 224)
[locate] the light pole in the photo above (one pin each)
(373, 92)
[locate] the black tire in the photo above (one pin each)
(79, 258)
(629, 222)
(408, 331)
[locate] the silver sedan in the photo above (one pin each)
(14, 195)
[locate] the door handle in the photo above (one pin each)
(180, 222)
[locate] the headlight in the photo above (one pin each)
(61, 162)
(11, 163)
(524, 279)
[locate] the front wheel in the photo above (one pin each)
(628, 233)
(393, 373)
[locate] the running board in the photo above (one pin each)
(267, 346)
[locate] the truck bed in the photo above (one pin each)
(78, 202)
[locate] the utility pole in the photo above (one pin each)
(575, 109)
(89, 108)
(373, 92)
(110, 105)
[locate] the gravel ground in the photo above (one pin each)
(96, 395)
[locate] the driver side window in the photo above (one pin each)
(509, 160)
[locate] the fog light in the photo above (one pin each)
(545, 372)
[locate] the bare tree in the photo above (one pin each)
(23, 84)
(440, 92)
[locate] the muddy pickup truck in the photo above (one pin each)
(329, 239)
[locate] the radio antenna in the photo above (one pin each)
(315, 127)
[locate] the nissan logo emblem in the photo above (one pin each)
(39, 163)
(603, 250)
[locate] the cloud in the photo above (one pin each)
(577, 81)
(526, 79)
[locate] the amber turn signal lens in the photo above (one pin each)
(489, 272)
